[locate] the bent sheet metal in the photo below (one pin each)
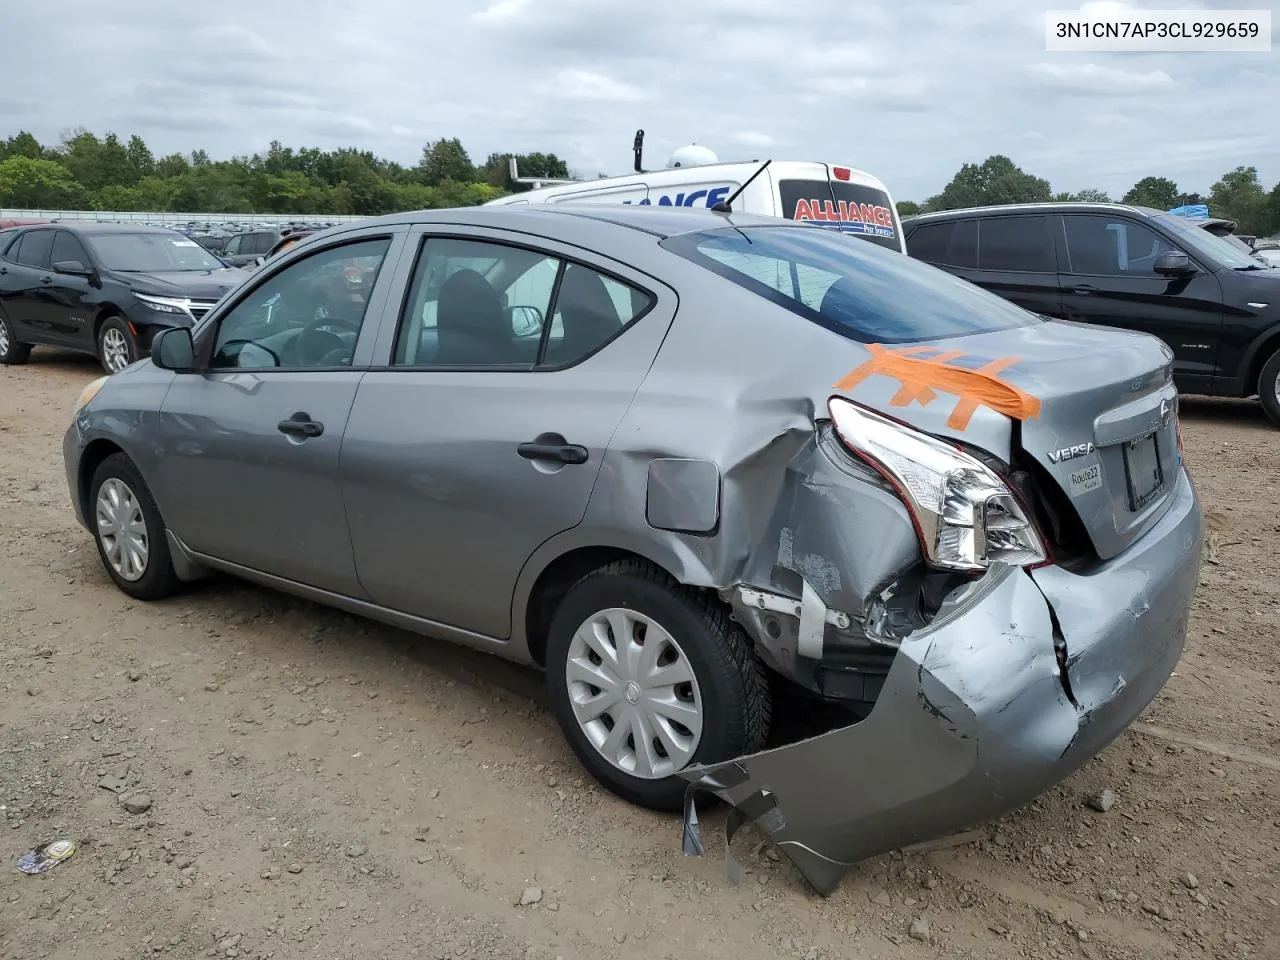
(976, 717)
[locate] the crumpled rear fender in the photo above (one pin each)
(975, 719)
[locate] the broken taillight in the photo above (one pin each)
(966, 515)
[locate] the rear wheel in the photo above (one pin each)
(1269, 387)
(129, 531)
(11, 351)
(117, 347)
(647, 676)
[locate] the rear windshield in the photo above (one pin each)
(857, 289)
(849, 207)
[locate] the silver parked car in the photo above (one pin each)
(692, 464)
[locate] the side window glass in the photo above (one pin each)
(35, 248)
(590, 310)
(475, 304)
(263, 242)
(962, 251)
(67, 247)
(1016, 243)
(306, 316)
(1103, 246)
(929, 242)
(232, 248)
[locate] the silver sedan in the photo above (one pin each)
(705, 470)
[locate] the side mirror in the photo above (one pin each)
(72, 268)
(525, 321)
(173, 349)
(1174, 263)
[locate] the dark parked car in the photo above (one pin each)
(1216, 305)
(243, 249)
(682, 460)
(102, 288)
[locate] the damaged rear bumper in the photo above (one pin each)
(974, 719)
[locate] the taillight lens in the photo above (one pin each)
(967, 517)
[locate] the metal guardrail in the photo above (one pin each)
(113, 216)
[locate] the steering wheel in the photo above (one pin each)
(316, 347)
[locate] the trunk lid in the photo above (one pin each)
(1098, 419)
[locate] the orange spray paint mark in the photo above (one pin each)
(920, 377)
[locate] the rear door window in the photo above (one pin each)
(34, 249)
(860, 292)
(1019, 244)
(849, 207)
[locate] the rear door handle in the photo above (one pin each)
(552, 447)
(46, 279)
(1084, 289)
(301, 425)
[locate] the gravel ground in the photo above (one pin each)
(312, 785)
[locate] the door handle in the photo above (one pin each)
(46, 279)
(1084, 289)
(553, 447)
(301, 425)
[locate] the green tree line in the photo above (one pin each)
(85, 172)
(1237, 195)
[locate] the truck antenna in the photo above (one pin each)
(637, 147)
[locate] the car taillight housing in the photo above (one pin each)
(966, 515)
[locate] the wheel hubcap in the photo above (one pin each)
(4, 338)
(634, 693)
(122, 529)
(1275, 386)
(115, 350)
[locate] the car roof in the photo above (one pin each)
(93, 226)
(655, 220)
(1010, 209)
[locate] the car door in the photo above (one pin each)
(1109, 278)
(26, 277)
(70, 299)
(248, 470)
(480, 434)
(1017, 260)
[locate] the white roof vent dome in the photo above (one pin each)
(692, 155)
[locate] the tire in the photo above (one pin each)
(154, 578)
(12, 352)
(117, 347)
(729, 682)
(1269, 388)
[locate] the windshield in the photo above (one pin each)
(1201, 242)
(151, 253)
(860, 290)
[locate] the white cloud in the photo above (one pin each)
(1094, 79)
(572, 84)
(909, 90)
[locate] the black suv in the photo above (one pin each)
(1215, 305)
(102, 288)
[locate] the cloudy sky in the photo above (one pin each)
(908, 89)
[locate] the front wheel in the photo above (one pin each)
(129, 531)
(647, 677)
(12, 352)
(1269, 387)
(117, 347)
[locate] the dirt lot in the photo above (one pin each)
(325, 787)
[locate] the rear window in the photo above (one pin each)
(849, 207)
(855, 289)
(953, 243)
